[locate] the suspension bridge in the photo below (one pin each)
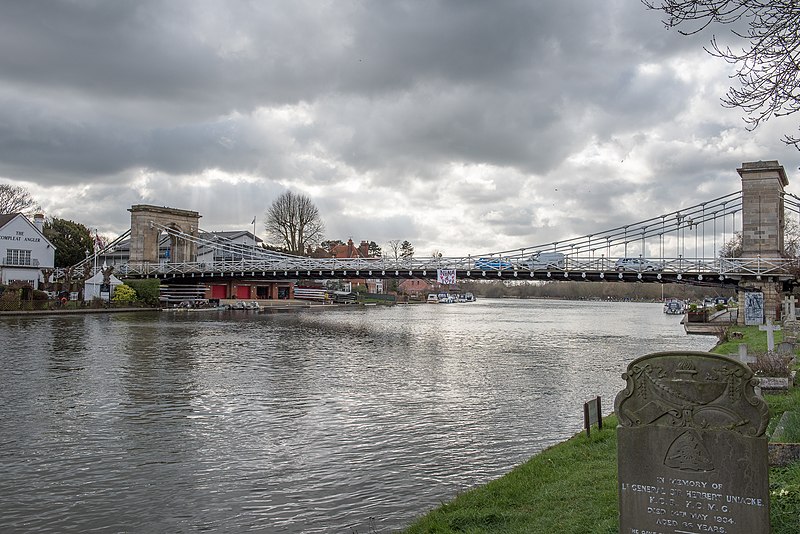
(679, 246)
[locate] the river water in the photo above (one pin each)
(353, 420)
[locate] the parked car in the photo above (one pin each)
(493, 264)
(545, 260)
(637, 264)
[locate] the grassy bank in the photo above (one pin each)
(572, 487)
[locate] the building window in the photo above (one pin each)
(18, 257)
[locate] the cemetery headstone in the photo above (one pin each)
(790, 329)
(790, 308)
(691, 446)
(743, 357)
(770, 329)
(785, 349)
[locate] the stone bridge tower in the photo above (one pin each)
(762, 209)
(145, 235)
(763, 223)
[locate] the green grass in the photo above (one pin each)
(572, 487)
(755, 339)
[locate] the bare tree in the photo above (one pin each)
(295, 221)
(394, 249)
(768, 64)
(16, 199)
(791, 242)
(732, 248)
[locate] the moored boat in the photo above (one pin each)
(674, 307)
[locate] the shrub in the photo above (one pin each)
(770, 364)
(124, 293)
(147, 290)
(39, 295)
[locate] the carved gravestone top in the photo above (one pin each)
(692, 450)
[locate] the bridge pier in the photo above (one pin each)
(145, 236)
(773, 295)
(763, 223)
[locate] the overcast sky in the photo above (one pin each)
(461, 126)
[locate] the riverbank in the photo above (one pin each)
(73, 311)
(264, 305)
(571, 487)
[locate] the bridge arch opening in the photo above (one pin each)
(147, 223)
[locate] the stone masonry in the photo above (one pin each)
(763, 224)
(145, 236)
(762, 209)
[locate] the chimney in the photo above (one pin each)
(38, 222)
(363, 249)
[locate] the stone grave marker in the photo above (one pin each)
(691, 447)
(743, 357)
(790, 308)
(790, 329)
(770, 329)
(785, 349)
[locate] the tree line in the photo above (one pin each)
(574, 290)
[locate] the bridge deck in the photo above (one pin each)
(683, 270)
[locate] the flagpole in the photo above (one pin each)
(254, 237)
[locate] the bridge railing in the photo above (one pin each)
(427, 267)
(758, 266)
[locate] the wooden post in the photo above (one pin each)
(592, 413)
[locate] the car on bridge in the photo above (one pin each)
(493, 264)
(637, 264)
(544, 260)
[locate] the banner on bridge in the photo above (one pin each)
(446, 276)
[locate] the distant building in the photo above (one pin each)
(417, 288)
(24, 250)
(349, 250)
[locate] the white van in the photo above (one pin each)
(545, 260)
(636, 264)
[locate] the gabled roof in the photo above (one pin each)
(6, 218)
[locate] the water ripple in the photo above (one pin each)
(354, 420)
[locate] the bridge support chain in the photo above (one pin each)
(772, 290)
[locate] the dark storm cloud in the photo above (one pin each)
(427, 81)
(440, 111)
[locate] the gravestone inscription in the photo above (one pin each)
(691, 447)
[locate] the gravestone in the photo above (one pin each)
(743, 357)
(691, 447)
(770, 329)
(785, 349)
(790, 308)
(790, 329)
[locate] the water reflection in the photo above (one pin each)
(334, 421)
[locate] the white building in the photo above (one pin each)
(24, 250)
